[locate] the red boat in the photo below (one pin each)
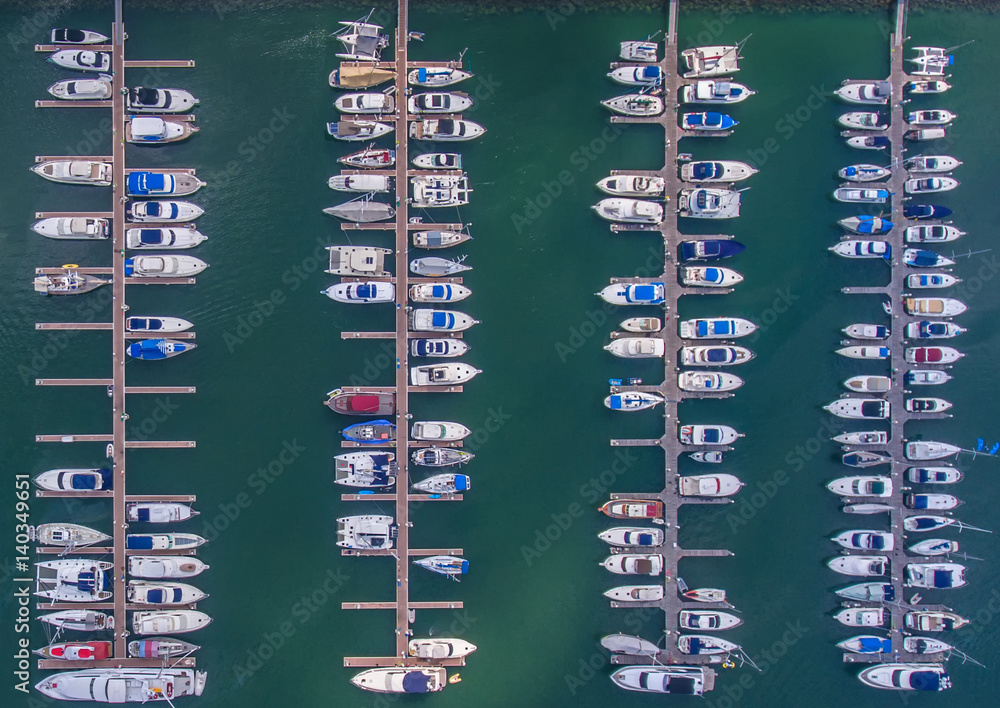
(361, 403)
(633, 508)
(76, 651)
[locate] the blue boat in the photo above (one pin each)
(154, 349)
(372, 432)
(709, 250)
(867, 644)
(143, 183)
(863, 224)
(864, 459)
(919, 258)
(708, 121)
(450, 566)
(926, 211)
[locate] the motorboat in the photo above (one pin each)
(709, 595)
(716, 328)
(642, 325)
(81, 60)
(932, 355)
(367, 532)
(450, 374)
(361, 184)
(161, 211)
(633, 401)
(356, 130)
(426, 320)
(438, 161)
(926, 377)
(863, 224)
(705, 645)
(931, 163)
(359, 76)
(141, 592)
(864, 173)
(715, 60)
(430, 191)
(708, 620)
(648, 75)
(634, 564)
(169, 622)
(371, 432)
(930, 117)
(76, 651)
(163, 541)
(90, 172)
(76, 36)
(864, 437)
(634, 211)
(75, 480)
(361, 402)
(158, 567)
(931, 280)
(156, 349)
(156, 100)
(856, 195)
(860, 408)
(926, 86)
(439, 648)
(861, 566)
(933, 547)
(451, 566)
(933, 330)
(632, 536)
(932, 621)
(862, 120)
(633, 509)
(163, 266)
(938, 502)
(866, 383)
(710, 277)
(709, 249)
(636, 347)
(436, 76)
(627, 185)
(866, 92)
(858, 352)
(859, 248)
(634, 293)
(66, 535)
(862, 486)
(867, 644)
(926, 134)
(365, 261)
(438, 102)
(448, 483)
(709, 485)
(635, 593)
(440, 456)
(362, 40)
(868, 508)
(73, 227)
(123, 685)
(708, 203)
(150, 130)
(445, 130)
(708, 381)
(361, 211)
(168, 238)
(683, 680)
(442, 347)
(926, 645)
(715, 356)
(369, 103)
(929, 185)
(160, 648)
(438, 292)
(708, 122)
(869, 142)
(868, 592)
(635, 104)
(362, 293)
(404, 679)
(370, 158)
(431, 239)
(366, 469)
(436, 267)
(629, 645)
(716, 171)
(866, 331)
(144, 183)
(939, 576)
(74, 580)
(906, 677)
(159, 512)
(925, 211)
(930, 450)
(99, 89)
(638, 51)
(707, 435)
(861, 616)
(937, 233)
(865, 540)
(438, 430)
(715, 91)
(934, 475)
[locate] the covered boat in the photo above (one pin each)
(674, 680)
(157, 349)
(906, 677)
(633, 401)
(362, 293)
(123, 685)
(938, 576)
(404, 679)
(709, 249)
(372, 432)
(361, 403)
(634, 293)
(358, 76)
(716, 171)
(715, 91)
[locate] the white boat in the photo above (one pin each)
(404, 679)
(163, 266)
(862, 120)
(436, 267)
(629, 645)
(438, 102)
(927, 86)
(448, 483)
(365, 261)
(937, 233)
(705, 645)
(926, 134)
(864, 352)
(439, 648)
(426, 320)
(634, 211)
(860, 566)
(906, 677)
(168, 238)
(438, 161)
(685, 680)
(865, 437)
(867, 92)
(76, 36)
(363, 293)
(440, 456)
(161, 211)
(439, 239)
(67, 535)
(868, 509)
(933, 547)
(169, 622)
(712, 91)
(141, 592)
(927, 377)
(634, 564)
(449, 566)
(74, 580)
(865, 540)
(710, 277)
(635, 104)
(636, 347)
(157, 567)
(931, 280)
(82, 60)
(716, 328)
(866, 331)
(860, 408)
(715, 60)
(638, 50)
(647, 325)
(370, 103)
(99, 89)
(150, 130)
(868, 142)
(75, 172)
(439, 292)
(715, 356)
(160, 648)
(438, 347)
(123, 685)
(707, 381)
(862, 486)
(154, 100)
(707, 435)
(929, 185)
(861, 616)
(930, 117)
(931, 163)
(430, 191)
(632, 536)
(75, 480)
(864, 173)
(163, 541)
(644, 75)
(438, 430)
(437, 76)
(926, 645)
(356, 130)
(370, 531)
(635, 593)
(866, 383)
(932, 355)
(633, 401)
(73, 227)
(868, 592)
(933, 330)
(370, 158)
(450, 374)
(361, 183)
(938, 502)
(934, 475)
(79, 620)
(931, 621)
(708, 203)
(366, 469)
(854, 195)
(713, 595)
(159, 512)
(708, 620)
(709, 485)
(445, 130)
(634, 293)
(939, 576)
(632, 185)
(930, 450)
(716, 171)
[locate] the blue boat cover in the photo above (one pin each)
(702, 328)
(850, 171)
(153, 209)
(366, 290)
(143, 513)
(380, 460)
(461, 482)
(943, 579)
(129, 266)
(717, 355)
(156, 596)
(440, 319)
(695, 118)
(712, 436)
(84, 481)
(615, 402)
(154, 323)
(146, 182)
(713, 274)
(926, 211)
(918, 501)
(439, 291)
(139, 543)
(874, 645)
(925, 681)
(650, 72)
(695, 645)
(465, 567)
(643, 293)
(706, 170)
(152, 237)
(645, 539)
(713, 118)
(416, 681)
(421, 74)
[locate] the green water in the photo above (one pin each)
(270, 348)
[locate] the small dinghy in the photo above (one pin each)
(864, 173)
(359, 403)
(67, 535)
(163, 541)
(166, 238)
(929, 185)
(708, 203)
(638, 51)
(438, 161)
(426, 320)
(630, 536)
(436, 267)
(705, 645)
(868, 592)
(366, 469)
(855, 195)
(635, 593)
(88, 172)
(860, 408)
(861, 616)
(82, 89)
(361, 211)
(631, 211)
(862, 486)
(439, 103)
(931, 621)
(444, 484)
(934, 475)
(142, 183)
(634, 293)
(932, 355)
(933, 330)
(159, 512)
(363, 293)
(708, 620)
(857, 248)
(445, 130)
(440, 648)
(439, 239)
(866, 331)
(710, 277)
(709, 249)
(636, 347)
(866, 224)
(632, 186)
(906, 677)
(708, 435)
(712, 457)
(169, 622)
(716, 171)
(163, 266)
(150, 130)
(158, 567)
(865, 540)
(634, 564)
(370, 158)
(708, 381)
(716, 328)
(926, 645)
(356, 130)
(931, 163)
(371, 103)
(635, 104)
(862, 120)
(859, 566)
(76, 651)
(926, 211)
(869, 142)
(156, 349)
(405, 679)
(933, 547)
(451, 374)
(444, 347)
(440, 456)
(649, 75)
(439, 430)
(715, 356)
(156, 100)
(866, 383)
(937, 502)
(930, 117)
(926, 134)
(867, 437)
(629, 646)
(372, 432)
(141, 592)
(160, 648)
(931, 280)
(938, 233)
(864, 352)
(81, 60)
(867, 644)
(437, 76)
(362, 183)
(644, 325)
(935, 576)
(929, 450)
(79, 620)
(926, 87)
(866, 92)
(633, 509)
(709, 485)
(708, 122)
(452, 566)
(633, 401)
(366, 532)
(715, 91)
(162, 211)
(926, 377)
